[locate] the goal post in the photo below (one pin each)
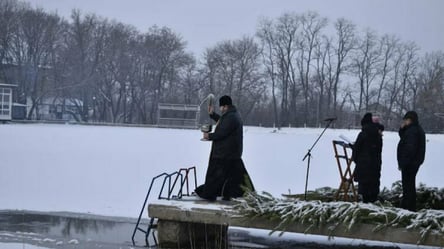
(178, 116)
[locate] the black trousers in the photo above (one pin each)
(409, 187)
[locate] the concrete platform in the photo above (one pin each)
(222, 215)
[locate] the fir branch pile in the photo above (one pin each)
(314, 214)
(426, 197)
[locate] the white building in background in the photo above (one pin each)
(55, 108)
(6, 101)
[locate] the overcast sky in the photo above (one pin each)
(203, 23)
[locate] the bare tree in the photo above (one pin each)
(346, 42)
(280, 37)
(408, 72)
(393, 87)
(365, 65)
(287, 28)
(9, 20)
(33, 43)
(84, 51)
(311, 27)
(399, 78)
(430, 99)
(388, 45)
(331, 61)
(114, 71)
(236, 71)
(322, 55)
(192, 82)
(162, 56)
(266, 37)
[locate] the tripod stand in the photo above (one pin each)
(308, 155)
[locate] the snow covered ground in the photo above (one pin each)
(19, 246)
(107, 170)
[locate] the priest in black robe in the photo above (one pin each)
(226, 174)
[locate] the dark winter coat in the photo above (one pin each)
(228, 135)
(367, 152)
(411, 146)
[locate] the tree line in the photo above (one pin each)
(296, 70)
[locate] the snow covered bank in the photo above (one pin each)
(19, 246)
(331, 218)
(106, 170)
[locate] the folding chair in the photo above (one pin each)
(347, 190)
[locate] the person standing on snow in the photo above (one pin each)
(411, 154)
(367, 157)
(226, 174)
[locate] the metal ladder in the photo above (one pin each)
(177, 180)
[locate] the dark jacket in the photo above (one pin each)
(367, 153)
(411, 146)
(228, 135)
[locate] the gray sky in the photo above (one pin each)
(203, 23)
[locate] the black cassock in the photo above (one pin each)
(227, 178)
(226, 174)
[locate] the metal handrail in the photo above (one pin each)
(183, 175)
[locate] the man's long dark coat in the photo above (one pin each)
(367, 155)
(410, 153)
(226, 174)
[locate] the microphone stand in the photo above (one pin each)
(308, 155)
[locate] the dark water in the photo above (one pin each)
(69, 230)
(66, 230)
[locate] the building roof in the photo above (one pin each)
(9, 85)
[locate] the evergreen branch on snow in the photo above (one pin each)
(315, 214)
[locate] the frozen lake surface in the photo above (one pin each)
(105, 171)
(36, 230)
